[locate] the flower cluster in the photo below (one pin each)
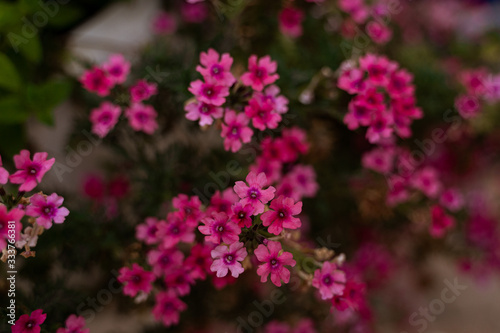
(376, 81)
(42, 209)
(111, 77)
(31, 323)
(263, 108)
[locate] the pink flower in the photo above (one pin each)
(274, 260)
(199, 261)
(272, 168)
(235, 130)
(440, 222)
(468, 106)
(97, 80)
(179, 280)
(30, 172)
(282, 215)
(222, 202)
(147, 231)
(379, 159)
(104, 118)
(291, 22)
(164, 260)
(216, 70)
(358, 114)
(474, 81)
(276, 327)
(219, 229)
(254, 193)
(380, 127)
(29, 323)
(242, 215)
(227, 258)
(427, 181)
(352, 297)
(175, 230)
(206, 113)
(167, 308)
(400, 84)
(117, 68)
(356, 8)
(452, 199)
(287, 188)
(4, 174)
(74, 324)
(329, 280)
(190, 207)
(142, 91)
(142, 117)
(210, 92)
(398, 190)
(47, 209)
(271, 96)
(378, 32)
(303, 178)
(164, 24)
(260, 72)
(15, 214)
(136, 279)
(379, 69)
(294, 144)
(93, 186)
(194, 13)
(262, 115)
(352, 80)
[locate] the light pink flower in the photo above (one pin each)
(352, 80)
(30, 172)
(98, 81)
(378, 32)
(147, 231)
(235, 130)
(4, 174)
(281, 215)
(380, 159)
(142, 91)
(217, 229)
(164, 24)
(167, 308)
(190, 207)
(329, 280)
(303, 178)
(164, 260)
(452, 199)
(227, 258)
(206, 113)
(274, 260)
(142, 117)
(216, 70)
(210, 92)
(136, 280)
(175, 230)
(427, 181)
(260, 72)
(253, 191)
(262, 114)
(179, 280)
(15, 214)
(117, 68)
(104, 118)
(47, 209)
(468, 106)
(291, 22)
(271, 96)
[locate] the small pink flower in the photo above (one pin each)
(274, 260)
(29, 323)
(175, 230)
(30, 172)
(242, 215)
(210, 92)
(254, 193)
(104, 118)
(303, 178)
(379, 69)
(272, 168)
(329, 280)
(219, 229)
(352, 80)
(93, 186)
(400, 84)
(227, 258)
(379, 33)
(136, 280)
(74, 324)
(47, 209)
(142, 91)
(474, 81)
(167, 308)
(271, 96)
(147, 231)
(164, 24)
(235, 130)
(262, 115)
(352, 297)
(4, 174)
(199, 261)
(380, 127)
(142, 117)
(194, 12)
(294, 144)
(164, 260)
(206, 113)
(452, 199)
(468, 106)
(117, 68)
(15, 214)
(222, 202)
(291, 22)
(281, 215)
(440, 222)
(98, 81)
(358, 114)
(179, 280)
(427, 181)
(216, 70)
(260, 73)
(190, 207)
(398, 190)
(379, 159)
(356, 8)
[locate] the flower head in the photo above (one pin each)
(209, 92)
(440, 222)
(167, 308)
(104, 118)
(262, 114)
(97, 80)
(190, 207)
(274, 261)
(142, 91)
(47, 209)
(291, 22)
(219, 70)
(74, 324)
(29, 323)
(235, 130)
(147, 231)
(253, 191)
(227, 258)
(4, 174)
(117, 68)
(142, 117)
(281, 215)
(206, 113)
(175, 230)
(260, 72)
(219, 229)
(15, 214)
(164, 260)
(329, 280)
(30, 172)
(242, 215)
(136, 279)
(199, 261)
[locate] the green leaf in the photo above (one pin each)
(9, 15)
(9, 78)
(32, 50)
(66, 16)
(42, 99)
(12, 111)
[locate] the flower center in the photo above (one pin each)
(175, 230)
(32, 170)
(220, 228)
(274, 262)
(29, 324)
(204, 109)
(105, 118)
(229, 259)
(142, 117)
(259, 72)
(47, 210)
(209, 91)
(281, 214)
(216, 69)
(136, 278)
(253, 193)
(327, 280)
(241, 215)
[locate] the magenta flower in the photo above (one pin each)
(274, 261)
(29, 323)
(216, 70)
(379, 69)
(15, 214)
(380, 127)
(262, 115)
(260, 72)
(219, 229)
(194, 12)
(167, 308)
(467, 106)
(164, 260)
(190, 207)
(206, 113)
(47, 209)
(104, 118)
(74, 324)
(235, 130)
(199, 261)
(142, 91)
(30, 172)
(147, 231)
(452, 199)
(379, 159)
(272, 168)
(227, 258)
(329, 280)
(254, 193)
(291, 22)
(242, 215)
(359, 114)
(179, 280)
(164, 24)
(222, 202)
(276, 327)
(353, 296)
(398, 190)
(4, 174)
(427, 181)
(304, 182)
(271, 95)
(440, 222)
(142, 117)
(281, 215)
(210, 92)
(175, 230)
(305, 325)
(352, 80)
(294, 144)
(136, 280)
(117, 68)
(378, 32)
(97, 80)
(400, 84)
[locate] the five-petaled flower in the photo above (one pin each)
(30, 172)
(281, 215)
(274, 260)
